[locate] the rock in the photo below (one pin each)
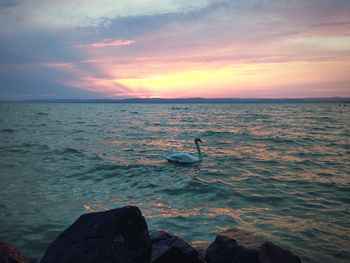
(167, 248)
(118, 235)
(238, 246)
(9, 254)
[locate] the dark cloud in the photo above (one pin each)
(8, 3)
(19, 85)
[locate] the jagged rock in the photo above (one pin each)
(167, 248)
(118, 235)
(238, 246)
(9, 254)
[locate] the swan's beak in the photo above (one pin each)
(200, 140)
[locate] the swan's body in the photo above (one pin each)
(183, 158)
(186, 158)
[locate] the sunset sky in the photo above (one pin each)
(174, 48)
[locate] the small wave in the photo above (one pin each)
(70, 151)
(101, 172)
(42, 113)
(278, 140)
(39, 146)
(128, 150)
(40, 125)
(223, 143)
(189, 120)
(104, 167)
(77, 131)
(199, 187)
(28, 144)
(212, 132)
(110, 167)
(258, 115)
(7, 130)
(33, 148)
(323, 118)
(265, 198)
(153, 123)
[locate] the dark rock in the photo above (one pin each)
(9, 254)
(118, 235)
(167, 248)
(238, 246)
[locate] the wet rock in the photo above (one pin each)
(167, 248)
(9, 254)
(238, 246)
(118, 235)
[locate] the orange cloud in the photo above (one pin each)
(286, 79)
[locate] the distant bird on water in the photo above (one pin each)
(186, 158)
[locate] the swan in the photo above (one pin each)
(186, 158)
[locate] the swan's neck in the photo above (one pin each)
(199, 151)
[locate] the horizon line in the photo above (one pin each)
(188, 100)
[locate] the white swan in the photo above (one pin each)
(186, 158)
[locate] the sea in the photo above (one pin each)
(281, 171)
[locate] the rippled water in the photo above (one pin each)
(279, 170)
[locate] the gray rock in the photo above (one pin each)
(9, 254)
(238, 246)
(167, 248)
(118, 235)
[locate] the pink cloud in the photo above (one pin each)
(69, 64)
(110, 43)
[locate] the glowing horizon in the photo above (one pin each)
(209, 49)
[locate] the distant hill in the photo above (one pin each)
(195, 100)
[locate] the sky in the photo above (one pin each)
(81, 49)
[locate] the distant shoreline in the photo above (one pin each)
(191, 100)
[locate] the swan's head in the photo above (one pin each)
(197, 140)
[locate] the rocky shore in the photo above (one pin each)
(121, 236)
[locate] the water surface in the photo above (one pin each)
(279, 170)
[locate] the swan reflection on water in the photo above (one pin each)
(185, 158)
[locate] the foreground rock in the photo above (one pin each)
(118, 235)
(238, 246)
(9, 254)
(167, 248)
